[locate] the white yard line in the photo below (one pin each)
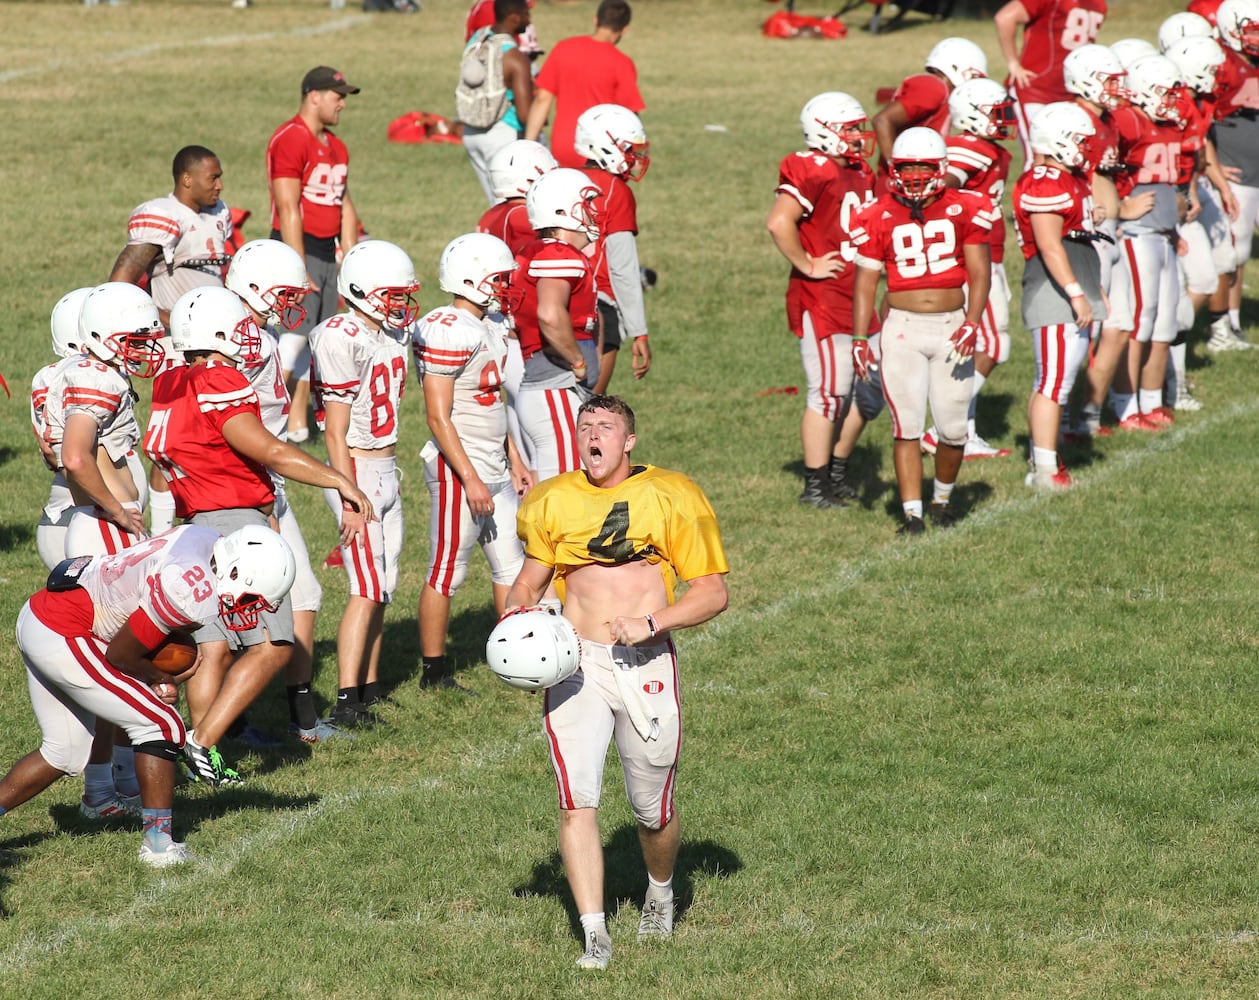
(220, 41)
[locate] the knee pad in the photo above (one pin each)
(159, 748)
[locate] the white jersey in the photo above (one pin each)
(452, 343)
(59, 498)
(194, 250)
(267, 377)
(82, 384)
(365, 369)
(167, 577)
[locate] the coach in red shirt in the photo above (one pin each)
(579, 73)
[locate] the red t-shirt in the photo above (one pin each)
(617, 212)
(185, 439)
(582, 72)
(926, 254)
(554, 259)
(1056, 27)
(831, 195)
(509, 221)
(982, 165)
(925, 98)
(322, 169)
(1054, 191)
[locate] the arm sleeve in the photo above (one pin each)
(627, 284)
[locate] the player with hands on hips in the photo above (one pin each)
(1062, 291)
(474, 471)
(615, 538)
(87, 640)
(614, 143)
(933, 242)
(820, 191)
(358, 373)
(556, 318)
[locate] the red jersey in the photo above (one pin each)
(509, 221)
(926, 254)
(925, 98)
(616, 208)
(1148, 150)
(582, 72)
(982, 165)
(1045, 189)
(322, 169)
(1198, 120)
(831, 194)
(1236, 84)
(554, 259)
(1102, 152)
(185, 439)
(1054, 29)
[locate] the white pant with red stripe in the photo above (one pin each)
(1059, 351)
(91, 534)
(1024, 115)
(371, 560)
(71, 684)
(453, 530)
(994, 324)
(827, 370)
(1145, 288)
(918, 369)
(548, 422)
(580, 715)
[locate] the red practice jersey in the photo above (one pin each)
(1102, 152)
(185, 439)
(1149, 151)
(509, 221)
(616, 208)
(1052, 190)
(1236, 84)
(982, 165)
(295, 152)
(831, 194)
(554, 259)
(926, 254)
(1056, 27)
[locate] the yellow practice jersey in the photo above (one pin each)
(655, 515)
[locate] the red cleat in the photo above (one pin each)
(334, 560)
(1162, 416)
(1139, 422)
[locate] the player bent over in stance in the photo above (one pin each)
(819, 193)
(358, 371)
(616, 537)
(88, 638)
(933, 241)
(474, 473)
(1053, 210)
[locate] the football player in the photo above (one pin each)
(1062, 290)
(88, 638)
(556, 318)
(614, 143)
(819, 193)
(358, 373)
(474, 473)
(933, 242)
(615, 538)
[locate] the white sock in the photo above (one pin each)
(912, 508)
(161, 511)
(594, 922)
(125, 781)
(1045, 459)
(940, 492)
(98, 783)
(659, 890)
(1235, 319)
(1151, 399)
(1177, 385)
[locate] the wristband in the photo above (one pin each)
(580, 364)
(1073, 290)
(641, 336)
(652, 627)
(860, 336)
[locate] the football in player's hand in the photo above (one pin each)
(176, 654)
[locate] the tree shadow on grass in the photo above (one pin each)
(626, 878)
(11, 853)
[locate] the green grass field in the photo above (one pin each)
(1014, 760)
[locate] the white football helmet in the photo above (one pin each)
(254, 569)
(914, 149)
(533, 649)
(378, 279)
(1238, 24)
(1199, 60)
(1156, 88)
(1095, 73)
(1129, 50)
(118, 323)
(478, 267)
(65, 323)
(835, 123)
(563, 198)
(516, 166)
(959, 59)
(213, 318)
(614, 138)
(1184, 24)
(982, 107)
(1062, 130)
(271, 277)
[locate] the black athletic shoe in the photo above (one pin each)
(352, 715)
(942, 515)
(912, 526)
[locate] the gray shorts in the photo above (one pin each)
(274, 627)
